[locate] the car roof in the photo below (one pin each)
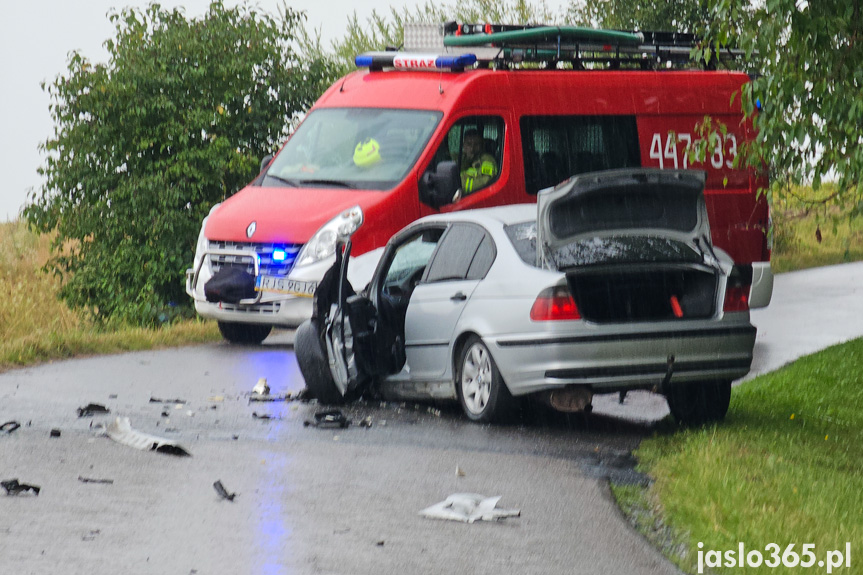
(488, 217)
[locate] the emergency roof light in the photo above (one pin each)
(409, 61)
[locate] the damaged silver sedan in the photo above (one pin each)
(609, 283)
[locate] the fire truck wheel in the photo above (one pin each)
(244, 333)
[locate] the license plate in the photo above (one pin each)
(284, 285)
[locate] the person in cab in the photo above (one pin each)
(477, 167)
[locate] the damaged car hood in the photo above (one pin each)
(624, 216)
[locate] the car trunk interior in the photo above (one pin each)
(615, 295)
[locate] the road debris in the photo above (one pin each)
(12, 487)
(332, 419)
(459, 472)
(157, 400)
(366, 422)
(261, 388)
(264, 416)
(264, 398)
(223, 493)
(469, 507)
(92, 409)
(120, 430)
(9, 427)
(55, 433)
(91, 480)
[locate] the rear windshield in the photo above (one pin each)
(359, 148)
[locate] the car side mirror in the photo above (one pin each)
(266, 161)
(438, 188)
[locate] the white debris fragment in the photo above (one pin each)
(261, 388)
(469, 507)
(459, 472)
(120, 430)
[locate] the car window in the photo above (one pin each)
(466, 252)
(412, 256)
(475, 143)
(523, 238)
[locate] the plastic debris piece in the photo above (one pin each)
(216, 398)
(92, 409)
(12, 487)
(166, 414)
(157, 400)
(9, 427)
(261, 388)
(459, 472)
(380, 543)
(55, 433)
(264, 416)
(332, 419)
(120, 430)
(112, 396)
(469, 507)
(366, 422)
(257, 397)
(91, 480)
(223, 493)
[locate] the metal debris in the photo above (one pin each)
(261, 388)
(157, 400)
(92, 409)
(12, 487)
(9, 427)
(223, 493)
(332, 419)
(91, 480)
(469, 507)
(120, 430)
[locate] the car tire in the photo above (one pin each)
(698, 403)
(309, 349)
(244, 333)
(482, 393)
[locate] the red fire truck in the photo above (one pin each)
(472, 117)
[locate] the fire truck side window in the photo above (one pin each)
(475, 143)
(557, 147)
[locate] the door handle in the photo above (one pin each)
(459, 296)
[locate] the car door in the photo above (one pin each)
(462, 259)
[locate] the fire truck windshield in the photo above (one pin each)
(360, 148)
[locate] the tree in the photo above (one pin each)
(656, 15)
(177, 120)
(809, 56)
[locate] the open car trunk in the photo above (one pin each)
(634, 244)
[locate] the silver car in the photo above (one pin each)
(609, 283)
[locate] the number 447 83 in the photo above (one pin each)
(720, 151)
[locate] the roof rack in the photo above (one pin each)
(503, 45)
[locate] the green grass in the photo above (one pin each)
(38, 327)
(785, 467)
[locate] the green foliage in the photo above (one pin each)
(810, 57)
(656, 15)
(144, 145)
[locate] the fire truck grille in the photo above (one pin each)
(268, 264)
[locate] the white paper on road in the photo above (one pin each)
(469, 507)
(120, 430)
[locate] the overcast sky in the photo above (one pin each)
(37, 35)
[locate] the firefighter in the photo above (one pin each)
(478, 168)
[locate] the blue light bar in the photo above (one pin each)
(279, 255)
(409, 61)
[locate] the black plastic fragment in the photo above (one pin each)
(333, 419)
(55, 433)
(170, 449)
(9, 427)
(223, 493)
(157, 400)
(263, 416)
(92, 409)
(12, 487)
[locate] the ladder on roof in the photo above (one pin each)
(504, 45)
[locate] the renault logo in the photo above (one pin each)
(250, 231)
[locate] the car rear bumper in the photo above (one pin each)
(647, 358)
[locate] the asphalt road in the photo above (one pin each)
(331, 501)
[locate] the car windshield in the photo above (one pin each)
(359, 148)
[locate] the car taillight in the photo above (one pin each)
(736, 298)
(554, 303)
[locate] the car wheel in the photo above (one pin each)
(698, 403)
(482, 392)
(313, 363)
(244, 333)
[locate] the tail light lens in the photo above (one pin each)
(553, 304)
(736, 298)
